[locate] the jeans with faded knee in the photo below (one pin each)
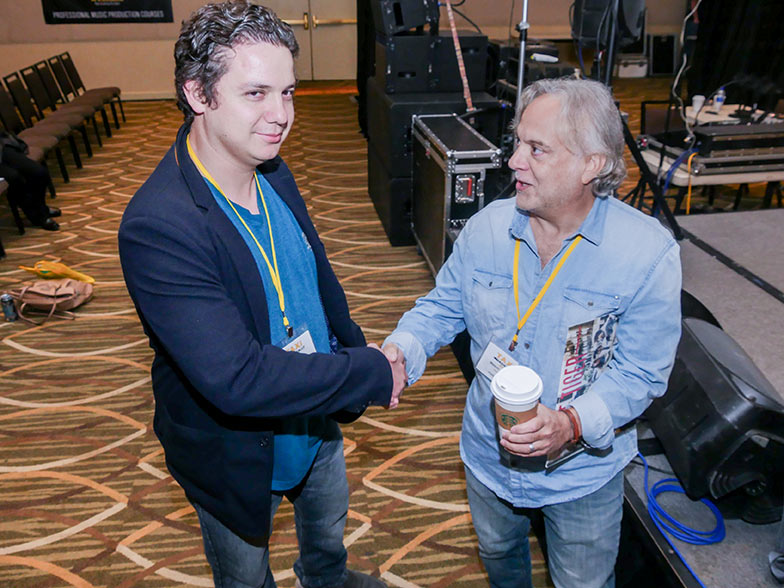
(582, 537)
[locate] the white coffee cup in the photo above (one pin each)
(516, 390)
(697, 102)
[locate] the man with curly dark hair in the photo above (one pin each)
(256, 356)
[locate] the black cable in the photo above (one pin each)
(511, 18)
(476, 26)
(650, 467)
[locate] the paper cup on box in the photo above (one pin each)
(516, 390)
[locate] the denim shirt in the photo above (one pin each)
(627, 268)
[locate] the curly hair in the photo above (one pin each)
(591, 122)
(208, 35)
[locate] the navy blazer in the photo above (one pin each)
(220, 386)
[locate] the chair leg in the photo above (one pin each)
(679, 200)
(97, 134)
(106, 126)
(15, 212)
(86, 139)
(61, 161)
(52, 191)
(771, 189)
(743, 190)
(75, 152)
(122, 110)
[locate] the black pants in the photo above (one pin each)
(27, 183)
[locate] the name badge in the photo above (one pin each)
(493, 360)
(302, 344)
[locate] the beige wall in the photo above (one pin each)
(138, 57)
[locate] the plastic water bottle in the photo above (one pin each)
(718, 100)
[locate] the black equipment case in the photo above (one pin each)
(451, 161)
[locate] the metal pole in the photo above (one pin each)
(523, 28)
(611, 49)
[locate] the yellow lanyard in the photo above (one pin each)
(535, 303)
(273, 269)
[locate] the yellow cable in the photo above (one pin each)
(688, 192)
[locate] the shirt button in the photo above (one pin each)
(590, 303)
(264, 441)
(526, 345)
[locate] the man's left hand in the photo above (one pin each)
(545, 434)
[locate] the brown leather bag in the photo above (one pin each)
(53, 297)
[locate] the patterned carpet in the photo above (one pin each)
(85, 498)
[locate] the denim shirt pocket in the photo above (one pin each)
(581, 306)
(489, 302)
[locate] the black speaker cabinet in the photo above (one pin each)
(396, 16)
(391, 198)
(403, 63)
(389, 120)
(663, 57)
(446, 75)
(721, 424)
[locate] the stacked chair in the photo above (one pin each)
(46, 105)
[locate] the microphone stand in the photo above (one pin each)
(522, 28)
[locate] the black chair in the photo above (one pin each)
(3, 188)
(47, 109)
(40, 75)
(60, 125)
(109, 94)
(42, 139)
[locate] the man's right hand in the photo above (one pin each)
(397, 362)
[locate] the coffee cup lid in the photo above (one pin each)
(517, 384)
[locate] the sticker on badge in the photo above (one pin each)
(302, 344)
(493, 360)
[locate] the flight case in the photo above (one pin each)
(451, 161)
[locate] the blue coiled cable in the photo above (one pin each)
(668, 525)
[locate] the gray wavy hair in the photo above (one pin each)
(210, 32)
(591, 123)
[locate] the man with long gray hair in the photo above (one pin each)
(585, 291)
(256, 355)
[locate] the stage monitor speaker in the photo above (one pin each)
(392, 17)
(721, 424)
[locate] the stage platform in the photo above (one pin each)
(732, 265)
(750, 314)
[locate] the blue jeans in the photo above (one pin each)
(320, 508)
(582, 537)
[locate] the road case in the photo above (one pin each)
(451, 161)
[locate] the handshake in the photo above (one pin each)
(397, 362)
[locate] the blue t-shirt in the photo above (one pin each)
(297, 440)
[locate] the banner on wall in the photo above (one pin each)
(106, 11)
